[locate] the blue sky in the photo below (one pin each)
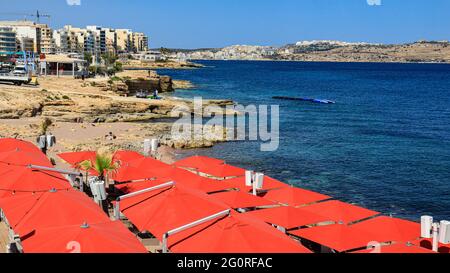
(218, 23)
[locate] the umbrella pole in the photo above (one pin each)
(120, 198)
(193, 224)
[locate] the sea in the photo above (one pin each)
(384, 144)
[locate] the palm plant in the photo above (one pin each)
(103, 165)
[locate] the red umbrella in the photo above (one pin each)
(201, 183)
(396, 248)
(210, 166)
(389, 229)
(344, 237)
(77, 157)
(294, 196)
(9, 144)
(27, 211)
(126, 156)
(339, 237)
(223, 171)
(143, 168)
(233, 234)
(20, 157)
(237, 199)
(137, 186)
(24, 179)
(162, 210)
(198, 162)
(338, 211)
(104, 237)
(287, 217)
(269, 183)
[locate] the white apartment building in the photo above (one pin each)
(8, 42)
(25, 32)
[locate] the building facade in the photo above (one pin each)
(47, 42)
(8, 42)
(25, 32)
(95, 40)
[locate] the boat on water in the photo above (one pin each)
(322, 101)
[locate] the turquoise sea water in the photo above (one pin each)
(384, 145)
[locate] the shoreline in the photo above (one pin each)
(309, 61)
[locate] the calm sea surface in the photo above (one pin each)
(384, 145)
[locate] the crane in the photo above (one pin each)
(37, 15)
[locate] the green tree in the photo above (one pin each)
(88, 57)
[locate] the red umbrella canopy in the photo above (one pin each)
(9, 144)
(195, 181)
(24, 179)
(27, 211)
(339, 237)
(20, 157)
(126, 156)
(293, 196)
(344, 237)
(269, 183)
(233, 234)
(338, 211)
(77, 157)
(287, 217)
(238, 199)
(396, 248)
(137, 186)
(223, 171)
(388, 229)
(211, 166)
(142, 168)
(165, 209)
(105, 237)
(198, 162)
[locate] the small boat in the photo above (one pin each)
(322, 101)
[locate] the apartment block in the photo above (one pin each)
(47, 42)
(96, 40)
(25, 32)
(8, 42)
(139, 42)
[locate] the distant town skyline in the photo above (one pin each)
(208, 24)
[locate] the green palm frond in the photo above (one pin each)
(103, 164)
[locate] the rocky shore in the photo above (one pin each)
(83, 112)
(135, 64)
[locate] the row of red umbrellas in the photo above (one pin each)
(296, 210)
(165, 209)
(354, 227)
(50, 216)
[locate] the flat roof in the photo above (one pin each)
(62, 59)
